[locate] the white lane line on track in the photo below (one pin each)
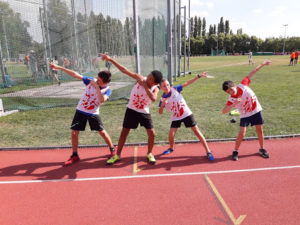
(149, 176)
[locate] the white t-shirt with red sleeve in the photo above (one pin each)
(249, 104)
(139, 100)
(176, 104)
(89, 103)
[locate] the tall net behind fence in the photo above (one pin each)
(68, 32)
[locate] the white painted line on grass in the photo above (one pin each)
(149, 176)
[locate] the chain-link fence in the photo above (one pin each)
(72, 33)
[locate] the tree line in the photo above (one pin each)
(221, 36)
(89, 34)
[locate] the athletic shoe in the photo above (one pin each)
(210, 156)
(263, 152)
(235, 155)
(73, 159)
(168, 151)
(151, 158)
(113, 159)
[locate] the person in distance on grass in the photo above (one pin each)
(142, 94)
(296, 57)
(250, 58)
(95, 94)
(174, 102)
(244, 99)
(292, 58)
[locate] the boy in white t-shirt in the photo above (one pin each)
(174, 102)
(142, 95)
(244, 99)
(95, 94)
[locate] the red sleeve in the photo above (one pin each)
(246, 81)
(229, 103)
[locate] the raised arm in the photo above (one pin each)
(227, 108)
(102, 98)
(70, 72)
(151, 95)
(265, 63)
(122, 68)
(162, 105)
(194, 79)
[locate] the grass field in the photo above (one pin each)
(277, 88)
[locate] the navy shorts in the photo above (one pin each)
(256, 119)
(80, 119)
(133, 118)
(188, 121)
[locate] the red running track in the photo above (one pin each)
(182, 188)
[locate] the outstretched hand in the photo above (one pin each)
(267, 62)
(53, 66)
(204, 74)
(104, 57)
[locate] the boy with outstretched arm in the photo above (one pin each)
(95, 94)
(142, 95)
(174, 102)
(244, 99)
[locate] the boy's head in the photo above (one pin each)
(104, 77)
(154, 77)
(165, 85)
(229, 87)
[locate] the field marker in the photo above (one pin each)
(237, 221)
(135, 166)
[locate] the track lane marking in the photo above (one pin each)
(135, 166)
(151, 175)
(235, 221)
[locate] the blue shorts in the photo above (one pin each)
(256, 119)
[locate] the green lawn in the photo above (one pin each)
(277, 88)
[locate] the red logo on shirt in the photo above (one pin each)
(177, 109)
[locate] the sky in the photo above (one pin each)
(262, 18)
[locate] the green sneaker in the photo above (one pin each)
(113, 159)
(151, 158)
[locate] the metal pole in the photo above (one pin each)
(5, 37)
(184, 41)
(179, 39)
(189, 49)
(285, 25)
(47, 25)
(44, 40)
(175, 37)
(88, 37)
(169, 27)
(2, 67)
(75, 33)
(136, 36)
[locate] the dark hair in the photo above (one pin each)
(157, 76)
(227, 84)
(105, 75)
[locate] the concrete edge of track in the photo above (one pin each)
(143, 143)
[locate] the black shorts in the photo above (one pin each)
(256, 119)
(133, 118)
(188, 121)
(80, 119)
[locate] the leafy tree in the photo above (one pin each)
(199, 27)
(18, 39)
(227, 28)
(203, 26)
(221, 26)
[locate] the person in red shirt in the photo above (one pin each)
(292, 59)
(296, 57)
